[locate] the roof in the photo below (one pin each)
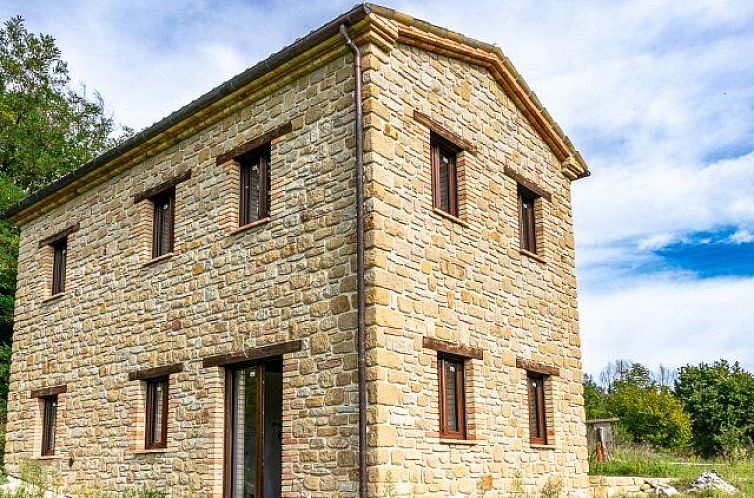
(482, 53)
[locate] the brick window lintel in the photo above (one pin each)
(536, 367)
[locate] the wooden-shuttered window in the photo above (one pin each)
(59, 254)
(254, 191)
(163, 223)
(49, 424)
(452, 397)
(527, 219)
(444, 175)
(156, 412)
(537, 413)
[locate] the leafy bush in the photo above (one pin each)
(651, 415)
(720, 400)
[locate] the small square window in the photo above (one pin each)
(59, 254)
(537, 411)
(163, 222)
(452, 397)
(527, 219)
(156, 413)
(49, 424)
(254, 191)
(444, 176)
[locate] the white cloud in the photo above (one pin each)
(673, 321)
(742, 236)
(658, 95)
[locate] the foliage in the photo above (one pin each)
(46, 130)
(553, 488)
(649, 412)
(651, 415)
(595, 399)
(720, 400)
(644, 461)
(37, 480)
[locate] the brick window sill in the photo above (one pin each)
(459, 442)
(55, 297)
(160, 259)
(532, 255)
(49, 457)
(542, 446)
(448, 216)
(149, 451)
(249, 226)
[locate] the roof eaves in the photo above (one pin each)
(221, 91)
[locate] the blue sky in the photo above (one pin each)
(657, 94)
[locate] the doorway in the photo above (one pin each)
(253, 458)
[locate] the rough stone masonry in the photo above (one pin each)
(437, 284)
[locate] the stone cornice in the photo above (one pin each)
(276, 78)
(369, 24)
(502, 70)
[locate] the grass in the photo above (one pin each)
(643, 462)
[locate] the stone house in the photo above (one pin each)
(191, 315)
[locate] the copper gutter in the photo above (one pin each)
(361, 339)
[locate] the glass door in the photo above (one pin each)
(255, 439)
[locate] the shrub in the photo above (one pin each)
(720, 400)
(651, 415)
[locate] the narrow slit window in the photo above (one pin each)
(49, 424)
(444, 176)
(254, 192)
(452, 397)
(163, 223)
(59, 255)
(527, 219)
(537, 413)
(156, 423)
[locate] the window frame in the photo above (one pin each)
(49, 424)
(150, 415)
(161, 223)
(536, 400)
(59, 262)
(262, 157)
(527, 220)
(439, 147)
(460, 396)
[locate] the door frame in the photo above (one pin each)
(231, 371)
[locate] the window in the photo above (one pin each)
(49, 424)
(156, 424)
(537, 414)
(163, 222)
(527, 219)
(59, 252)
(452, 397)
(444, 176)
(254, 192)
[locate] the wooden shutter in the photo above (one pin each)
(156, 411)
(60, 252)
(444, 178)
(49, 424)
(452, 396)
(537, 415)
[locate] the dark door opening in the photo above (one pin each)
(253, 433)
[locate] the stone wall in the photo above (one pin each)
(465, 281)
(221, 291)
(619, 487)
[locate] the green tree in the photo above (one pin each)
(595, 399)
(46, 130)
(651, 415)
(720, 400)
